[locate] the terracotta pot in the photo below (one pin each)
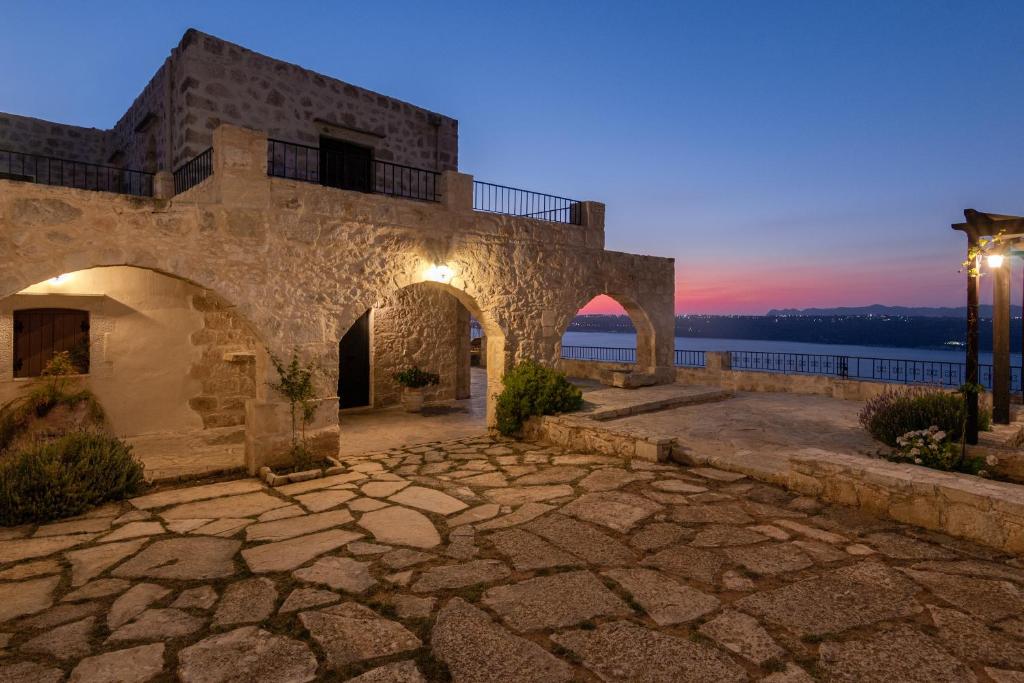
(412, 400)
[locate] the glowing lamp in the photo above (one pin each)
(59, 279)
(439, 273)
(995, 260)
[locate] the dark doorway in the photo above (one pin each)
(345, 165)
(354, 365)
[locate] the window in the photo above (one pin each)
(41, 332)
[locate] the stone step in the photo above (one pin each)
(657, 404)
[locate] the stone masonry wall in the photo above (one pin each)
(220, 82)
(226, 369)
(35, 136)
(419, 326)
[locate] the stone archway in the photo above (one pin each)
(172, 363)
(646, 336)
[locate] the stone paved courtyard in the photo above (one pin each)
(486, 560)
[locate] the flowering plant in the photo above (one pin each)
(932, 448)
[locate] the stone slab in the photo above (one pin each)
(554, 601)
(247, 654)
(183, 559)
(667, 602)
(401, 526)
(282, 556)
(477, 650)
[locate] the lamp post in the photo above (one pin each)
(1000, 268)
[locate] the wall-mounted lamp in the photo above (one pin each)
(439, 272)
(995, 260)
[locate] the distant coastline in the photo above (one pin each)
(880, 330)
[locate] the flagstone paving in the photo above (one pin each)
(494, 560)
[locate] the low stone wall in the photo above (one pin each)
(585, 434)
(988, 512)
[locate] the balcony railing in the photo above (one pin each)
(515, 202)
(193, 172)
(890, 370)
(351, 172)
(35, 168)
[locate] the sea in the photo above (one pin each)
(628, 340)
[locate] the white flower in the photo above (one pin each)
(991, 461)
(918, 461)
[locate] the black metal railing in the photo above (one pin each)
(515, 202)
(351, 172)
(892, 370)
(689, 359)
(193, 172)
(896, 370)
(35, 168)
(603, 354)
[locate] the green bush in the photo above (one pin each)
(414, 378)
(66, 476)
(898, 410)
(532, 389)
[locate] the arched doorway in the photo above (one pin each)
(430, 326)
(171, 363)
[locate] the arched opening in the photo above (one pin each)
(432, 327)
(171, 363)
(608, 332)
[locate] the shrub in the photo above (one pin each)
(898, 410)
(414, 378)
(532, 389)
(932, 448)
(66, 476)
(50, 391)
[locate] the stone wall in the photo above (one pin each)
(226, 368)
(221, 82)
(300, 263)
(59, 140)
(420, 326)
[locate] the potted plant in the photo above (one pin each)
(413, 381)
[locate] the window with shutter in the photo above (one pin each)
(41, 332)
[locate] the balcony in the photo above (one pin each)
(364, 174)
(35, 168)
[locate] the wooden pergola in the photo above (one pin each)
(1007, 235)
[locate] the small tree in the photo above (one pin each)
(295, 383)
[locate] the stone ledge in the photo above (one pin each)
(586, 434)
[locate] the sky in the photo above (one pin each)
(787, 154)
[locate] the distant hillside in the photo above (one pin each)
(878, 309)
(861, 330)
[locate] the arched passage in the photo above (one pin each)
(610, 328)
(428, 325)
(172, 363)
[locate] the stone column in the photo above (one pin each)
(457, 191)
(1001, 344)
(462, 371)
(591, 217)
(163, 185)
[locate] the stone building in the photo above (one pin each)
(244, 207)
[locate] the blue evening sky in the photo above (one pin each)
(785, 153)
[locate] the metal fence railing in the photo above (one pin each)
(193, 172)
(35, 168)
(604, 354)
(512, 201)
(893, 370)
(360, 173)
